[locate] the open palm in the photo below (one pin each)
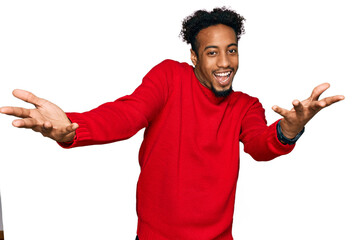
(46, 118)
(295, 119)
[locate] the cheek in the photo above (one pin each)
(205, 69)
(209, 66)
(235, 62)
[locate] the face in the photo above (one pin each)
(217, 60)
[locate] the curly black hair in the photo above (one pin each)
(202, 19)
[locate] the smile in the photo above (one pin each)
(223, 77)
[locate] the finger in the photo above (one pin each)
(16, 111)
(298, 107)
(25, 123)
(316, 106)
(27, 97)
(330, 100)
(317, 91)
(47, 127)
(281, 111)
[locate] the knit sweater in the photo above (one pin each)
(189, 157)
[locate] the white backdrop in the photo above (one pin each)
(80, 54)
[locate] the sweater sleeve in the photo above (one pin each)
(260, 140)
(124, 117)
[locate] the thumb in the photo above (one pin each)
(71, 128)
(68, 133)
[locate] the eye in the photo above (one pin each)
(233, 51)
(211, 53)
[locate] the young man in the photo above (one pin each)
(194, 121)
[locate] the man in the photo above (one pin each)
(194, 121)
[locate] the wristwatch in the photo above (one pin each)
(283, 139)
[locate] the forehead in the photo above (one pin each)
(217, 35)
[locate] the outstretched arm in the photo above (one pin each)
(294, 120)
(46, 118)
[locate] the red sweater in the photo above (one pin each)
(189, 157)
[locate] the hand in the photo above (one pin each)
(294, 120)
(47, 118)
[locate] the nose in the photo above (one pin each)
(223, 61)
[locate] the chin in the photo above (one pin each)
(222, 93)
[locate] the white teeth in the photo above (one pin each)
(222, 74)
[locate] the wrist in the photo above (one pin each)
(289, 130)
(288, 139)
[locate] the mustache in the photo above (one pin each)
(224, 70)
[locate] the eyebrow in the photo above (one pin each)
(212, 46)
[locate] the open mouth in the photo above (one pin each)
(223, 78)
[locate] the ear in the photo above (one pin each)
(193, 57)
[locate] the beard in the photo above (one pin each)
(222, 93)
